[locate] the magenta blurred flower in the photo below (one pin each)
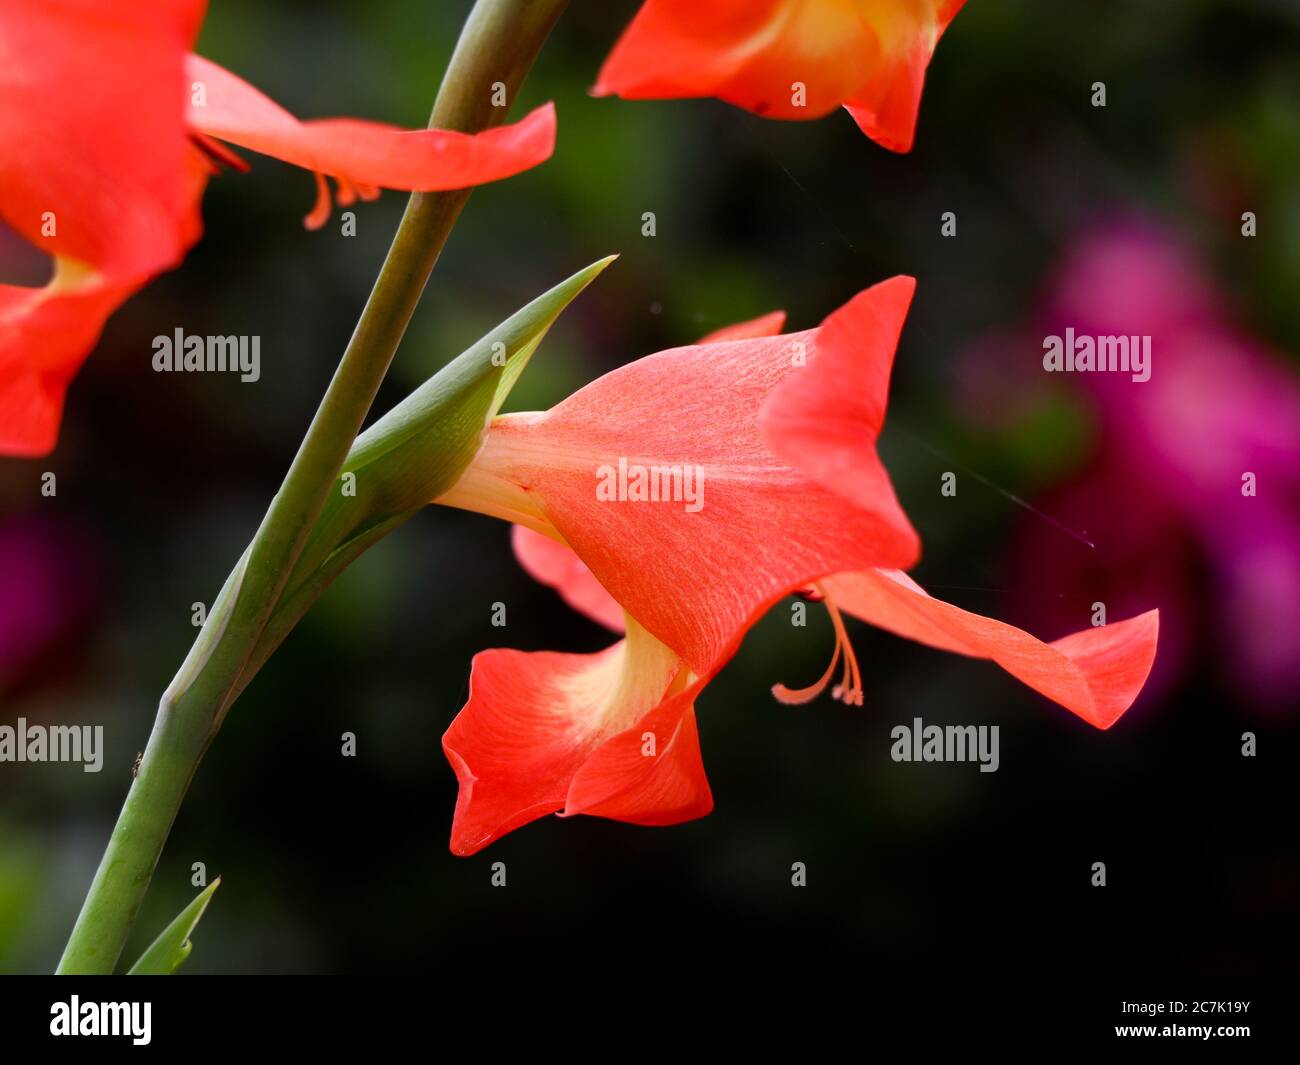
(1175, 454)
(48, 575)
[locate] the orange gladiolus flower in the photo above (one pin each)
(762, 479)
(793, 59)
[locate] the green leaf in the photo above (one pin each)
(166, 953)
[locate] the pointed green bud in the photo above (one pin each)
(173, 946)
(420, 448)
(414, 453)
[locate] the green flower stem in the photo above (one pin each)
(499, 43)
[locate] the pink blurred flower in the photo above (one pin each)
(1164, 497)
(48, 575)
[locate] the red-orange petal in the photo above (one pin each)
(96, 166)
(792, 59)
(45, 336)
(366, 154)
(752, 53)
(886, 107)
(532, 722)
(696, 570)
(651, 774)
(1096, 673)
(825, 417)
(766, 325)
(555, 565)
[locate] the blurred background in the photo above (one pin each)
(1122, 219)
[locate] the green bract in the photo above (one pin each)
(414, 453)
(173, 946)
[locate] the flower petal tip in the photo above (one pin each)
(900, 141)
(767, 325)
(1128, 650)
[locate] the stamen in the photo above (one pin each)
(347, 193)
(796, 696)
(849, 689)
(319, 213)
(214, 155)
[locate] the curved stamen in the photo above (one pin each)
(849, 689)
(347, 192)
(795, 696)
(320, 212)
